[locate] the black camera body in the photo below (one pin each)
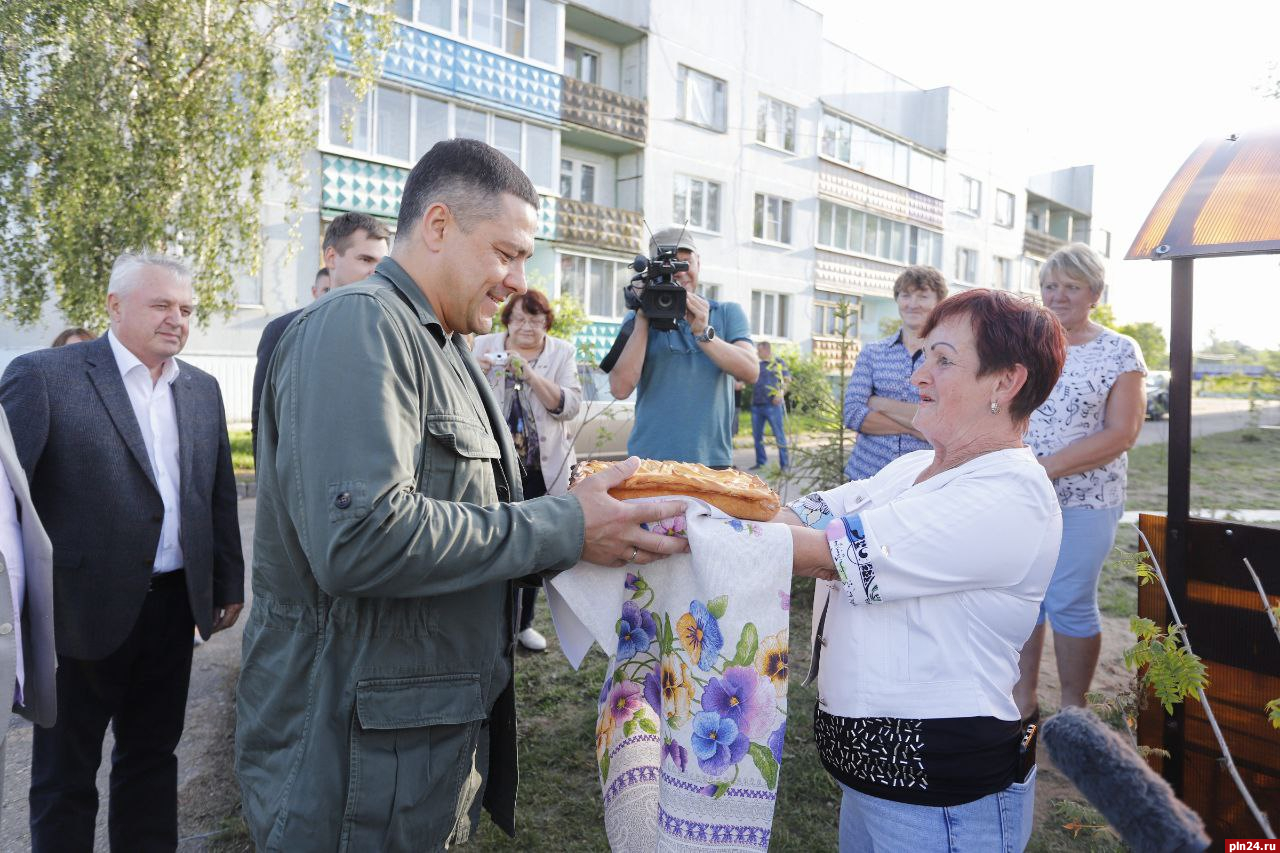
(662, 298)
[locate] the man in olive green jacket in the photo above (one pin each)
(376, 694)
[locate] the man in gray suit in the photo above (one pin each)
(129, 465)
(26, 598)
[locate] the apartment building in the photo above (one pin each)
(809, 176)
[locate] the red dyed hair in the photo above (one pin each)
(1010, 330)
(534, 301)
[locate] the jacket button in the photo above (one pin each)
(343, 500)
(6, 628)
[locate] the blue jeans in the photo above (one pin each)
(997, 823)
(760, 414)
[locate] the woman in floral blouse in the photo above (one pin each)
(1080, 435)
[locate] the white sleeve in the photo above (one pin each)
(974, 533)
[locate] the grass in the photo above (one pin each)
(797, 423)
(1229, 470)
(241, 451)
(560, 807)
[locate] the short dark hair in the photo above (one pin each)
(920, 278)
(468, 176)
(323, 272)
(342, 230)
(64, 337)
(1010, 330)
(533, 301)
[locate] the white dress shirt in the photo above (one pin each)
(15, 565)
(158, 420)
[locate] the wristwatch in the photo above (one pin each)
(708, 334)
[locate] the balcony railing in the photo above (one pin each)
(1040, 244)
(828, 349)
(602, 109)
(587, 224)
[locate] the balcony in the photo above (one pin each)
(1040, 244)
(585, 224)
(828, 349)
(603, 109)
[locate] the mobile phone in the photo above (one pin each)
(499, 358)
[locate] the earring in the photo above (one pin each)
(995, 407)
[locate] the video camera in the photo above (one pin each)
(662, 298)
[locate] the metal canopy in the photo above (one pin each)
(1225, 200)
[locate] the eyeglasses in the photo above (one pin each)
(531, 322)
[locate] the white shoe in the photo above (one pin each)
(532, 640)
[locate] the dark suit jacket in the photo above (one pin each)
(266, 346)
(91, 481)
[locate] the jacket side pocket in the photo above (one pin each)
(411, 744)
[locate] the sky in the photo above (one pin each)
(1131, 86)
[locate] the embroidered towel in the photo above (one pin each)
(694, 704)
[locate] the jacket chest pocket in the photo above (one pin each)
(412, 745)
(460, 463)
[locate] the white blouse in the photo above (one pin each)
(1076, 408)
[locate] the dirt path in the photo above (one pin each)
(206, 784)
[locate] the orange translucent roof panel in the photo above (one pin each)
(1225, 200)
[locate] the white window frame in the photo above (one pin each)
(825, 303)
(766, 214)
(1001, 272)
(895, 160)
(616, 296)
(769, 133)
(1006, 203)
(966, 258)
(970, 195)
(686, 78)
(577, 172)
(874, 224)
(461, 25)
(710, 212)
(581, 51)
(769, 313)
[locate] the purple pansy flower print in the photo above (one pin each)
(624, 700)
(678, 754)
(636, 630)
(604, 691)
(784, 598)
(630, 582)
(775, 741)
(653, 689)
(744, 697)
(716, 742)
(699, 633)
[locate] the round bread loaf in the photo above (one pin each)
(734, 492)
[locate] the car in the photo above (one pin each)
(602, 426)
(1157, 394)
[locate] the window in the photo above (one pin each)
(967, 265)
(768, 314)
(700, 99)
(581, 64)
(772, 219)
(710, 291)
(776, 124)
(525, 28)
(1002, 273)
(697, 201)
(826, 313)
(852, 230)
(577, 180)
(881, 155)
(1031, 275)
(970, 195)
(394, 124)
(1004, 208)
(596, 283)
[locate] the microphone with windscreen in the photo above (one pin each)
(1138, 804)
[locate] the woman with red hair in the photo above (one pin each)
(936, 566)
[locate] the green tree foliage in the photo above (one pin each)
(1150, 337)
(889, 326)
(810, 388)
(155, 125)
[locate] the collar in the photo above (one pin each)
(391, 270)
(126, 361)
(897, 340)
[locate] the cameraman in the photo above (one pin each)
(684, 378)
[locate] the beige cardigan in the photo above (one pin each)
(554, 435)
